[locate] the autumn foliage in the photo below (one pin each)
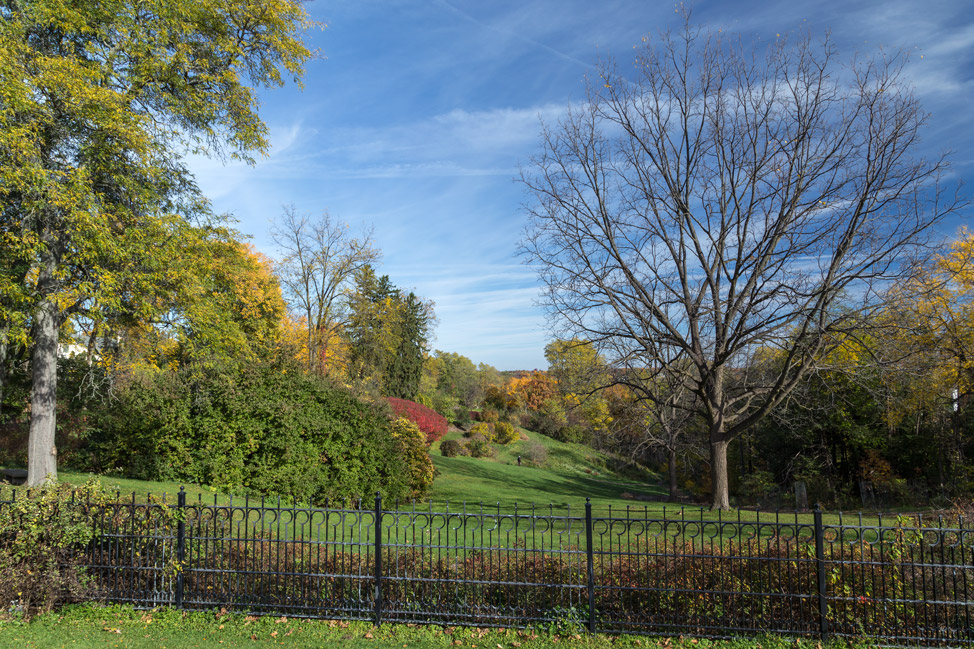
(533, 389)
(429, 421)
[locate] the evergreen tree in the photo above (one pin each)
(388, 334)
(407, 363)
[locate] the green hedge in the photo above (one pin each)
(266, 428)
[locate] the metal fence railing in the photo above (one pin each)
(906, 581)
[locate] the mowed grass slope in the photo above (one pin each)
(570, 474)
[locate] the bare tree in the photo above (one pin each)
(720, 203)
(320, 257)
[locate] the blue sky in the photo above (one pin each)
(421, 111)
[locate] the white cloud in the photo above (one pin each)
(218, 179)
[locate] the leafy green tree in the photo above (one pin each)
(230, 308)
(458, 378)
(98, 101)
(372, 327)
(577, 366)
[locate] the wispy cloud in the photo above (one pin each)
(218, 179)
(549, 20)
(456, 143)
(419, 118)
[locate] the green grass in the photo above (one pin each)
(142, 488)
(571, 473)
(89, 627)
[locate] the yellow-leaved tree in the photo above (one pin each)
(930, 368)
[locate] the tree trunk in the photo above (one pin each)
(41, 451)
(4, 347)
(672, 467)
(718, 475)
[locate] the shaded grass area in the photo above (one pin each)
(87, 627)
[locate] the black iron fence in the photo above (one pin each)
(902, 581)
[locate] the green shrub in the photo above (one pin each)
(549, 418)
(483, 429)
(505, 433)
(452, 448)
(445, 405)
(415, 451)
(536, 453)
(461, 416)
(479, 446)
(44, 533)
(757, 486)
(489, 415)
(267, 428)
(574, 434)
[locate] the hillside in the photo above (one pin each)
(570, 473)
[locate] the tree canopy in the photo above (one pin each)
(99, 101)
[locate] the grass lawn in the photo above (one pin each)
(142, 488)
(89, 627)
(570, 474)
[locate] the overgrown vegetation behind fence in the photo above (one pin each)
(908, 581)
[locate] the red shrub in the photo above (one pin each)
(429, 421)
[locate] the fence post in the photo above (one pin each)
(591, 566)
(823, 607)
(378, 558)
(180, 544)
